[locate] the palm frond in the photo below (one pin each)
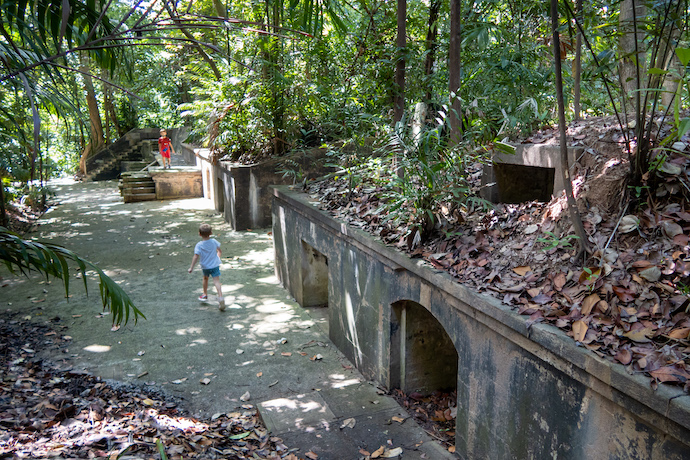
(25, 256)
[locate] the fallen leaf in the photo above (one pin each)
(286, 353)
(639, 335)
(522, 270)
(624, 356)
(178, 381)
(316, 357)
(395, 418)
(590, 275)
(390, 453)
(579, 330)
(377, 453)
(348, 423)
(311, 455)
(366, 453)
(670, 374)
(588, 303)
(626, 295)
(559, 281)
(531, 229)
(671, 229)
(680, 333)
(240, 435)
(245, 397)
(451, 449)
(259, 374)
(628, 224)
(651, 274)
(148, 402)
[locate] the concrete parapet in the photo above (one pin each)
(177, 183)
(532, 173)
(522, 392)
(241, 192)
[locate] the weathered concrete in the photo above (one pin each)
(522, 392)
(241, 192)
(532, 173)
(179, 182)
(262, 344)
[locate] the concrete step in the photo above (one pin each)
(129, 198)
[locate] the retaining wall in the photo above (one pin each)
(521, 393)
(241, 192)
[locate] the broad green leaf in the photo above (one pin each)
(505, 148)
(683, 55)
(657, 71)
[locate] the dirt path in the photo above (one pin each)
(264, 350)
(147, 248)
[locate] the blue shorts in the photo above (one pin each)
(212, 272)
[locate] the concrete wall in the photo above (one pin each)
(177, 184)
(241, 192)
(522, 393)
(514, 178)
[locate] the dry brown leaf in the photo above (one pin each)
(559, 281)
(522, 270)
(680, 333)
(451, 449)
(378, 452)
(395, 418)
(390, 453)
(286, 353)
(366, 453)
(624, 356)
(311, 455)
(639, 335)
(579, 330)
(588, 303)
(670, 374)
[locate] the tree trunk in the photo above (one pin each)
(454, 69)
(565, 167)
(3, 212)
(431, 45)
(631, 64)
(577, 65)
(96, 132)
(401, 44)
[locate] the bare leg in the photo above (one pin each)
(205, 285)
(221, 301)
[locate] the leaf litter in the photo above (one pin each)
(629, 302)
(46, 412)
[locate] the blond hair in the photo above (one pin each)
(205, 230)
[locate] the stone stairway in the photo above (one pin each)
(137, 186)
(105, 164)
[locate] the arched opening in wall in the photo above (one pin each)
(220, 195)
(424, 369)
(314, 271)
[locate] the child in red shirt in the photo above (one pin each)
(165, 147)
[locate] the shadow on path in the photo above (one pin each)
(264, 349)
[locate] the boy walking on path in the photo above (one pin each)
(207, 253)
(165, 147)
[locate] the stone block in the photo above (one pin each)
(177, 183)
(532, 173)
